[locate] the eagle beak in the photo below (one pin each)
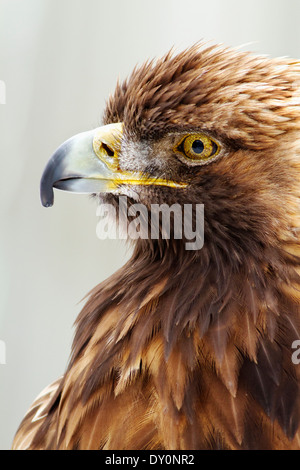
(89, 163)
(86, 163)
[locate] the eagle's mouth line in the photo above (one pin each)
(124, 179)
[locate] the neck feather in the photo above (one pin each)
(180, 318)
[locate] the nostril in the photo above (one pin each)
(108, 150)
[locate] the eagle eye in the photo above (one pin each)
(198, 147)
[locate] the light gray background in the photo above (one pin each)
(60, 59)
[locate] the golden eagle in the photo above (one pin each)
(188, 349)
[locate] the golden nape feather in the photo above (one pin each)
(188, 348)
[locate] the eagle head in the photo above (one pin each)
(209, 126)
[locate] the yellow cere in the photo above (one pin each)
(140, 179)
(106, 144)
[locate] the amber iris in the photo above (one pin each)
(198, 147)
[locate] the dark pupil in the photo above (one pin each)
(198, 146)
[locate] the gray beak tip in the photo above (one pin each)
(46, 193)
(47, 203)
